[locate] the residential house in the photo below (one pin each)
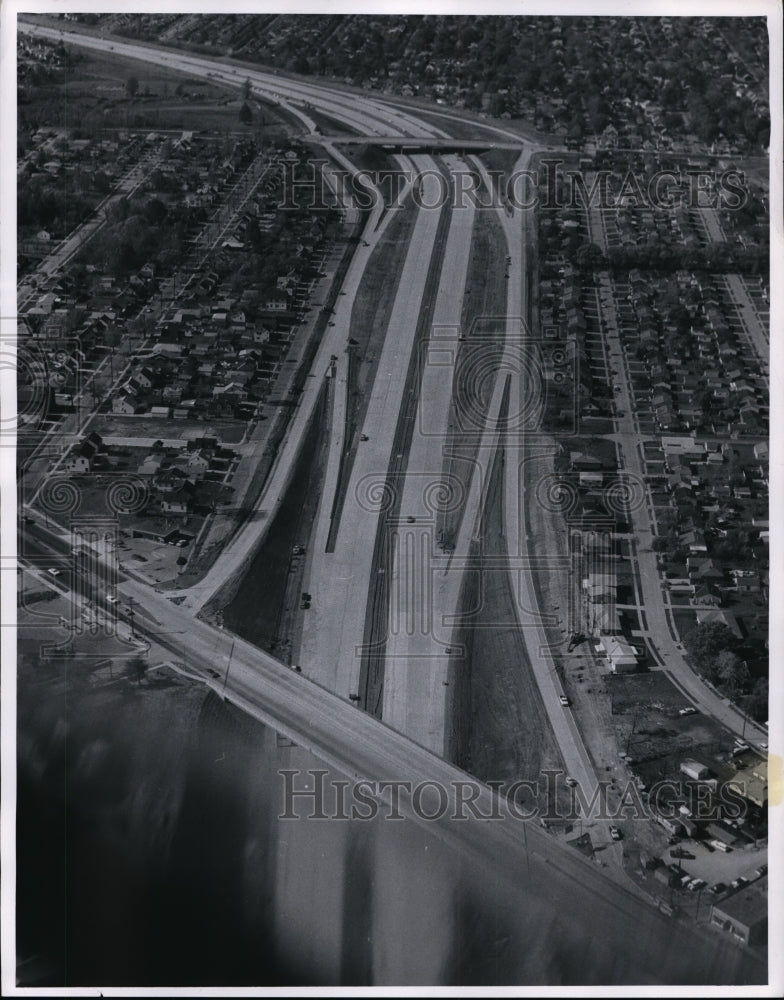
(83, 455)
(620, 654)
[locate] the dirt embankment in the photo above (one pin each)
(483, 325)
(370, 318)
(500, 727)
(265, 604)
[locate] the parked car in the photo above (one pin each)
(615, 833)
(718, 888)
(687, 711)
(570, 781)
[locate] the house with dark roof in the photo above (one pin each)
(83, 455)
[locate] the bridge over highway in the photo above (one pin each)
(403, 144)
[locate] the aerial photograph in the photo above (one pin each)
(392, 478)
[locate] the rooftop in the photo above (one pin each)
(748, 905)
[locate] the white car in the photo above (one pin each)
(563, 700)
(53, 571)
(111, 599)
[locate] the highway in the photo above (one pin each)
(313, 710)
(340, 580)
(416, 656)
(358, 746)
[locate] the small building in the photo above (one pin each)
(178, 502)
(600, 587)
(744, 914)
(126, 404)
(722, 832)
(154, 535)
(693, 769)
(620, 654)
(752, 783)
(83, 455)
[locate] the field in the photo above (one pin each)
(500, 726)
(94, 97)
(645, 710)
(226, 431)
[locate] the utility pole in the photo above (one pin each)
(634, 724)
(228, 666)
(525, 841)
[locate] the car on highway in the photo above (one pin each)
(615, 833)
(53, 571)
(563, 700)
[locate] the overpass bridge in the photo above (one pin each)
(410, 144)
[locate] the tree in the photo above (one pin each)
(706, 641)
(731, 672)
(138, 668)
(588, 257)
(246, 115)
(246, 89)
(757, 701)
(131, 87)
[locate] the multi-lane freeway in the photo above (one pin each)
(314, 709)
